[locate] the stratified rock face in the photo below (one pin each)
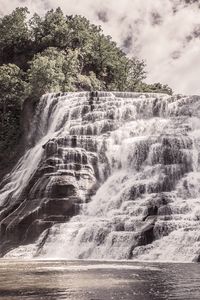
(54, 177)
(111, 175)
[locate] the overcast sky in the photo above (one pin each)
(165, 33)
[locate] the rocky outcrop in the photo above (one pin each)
(135, 153)
(66, 175)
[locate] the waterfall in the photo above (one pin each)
(112, 175)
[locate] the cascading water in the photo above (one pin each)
(128, 161)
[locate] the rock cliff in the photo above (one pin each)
(109, 175)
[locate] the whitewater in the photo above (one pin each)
(132, 160)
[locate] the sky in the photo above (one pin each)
(164, 33)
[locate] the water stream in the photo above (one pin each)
(140, 152)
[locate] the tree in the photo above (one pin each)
(12, 86)
(94, 52)
(135, 73)
(14, 33)
(13, 93)
(89, 82)
(153, 88)
(52, 71)
(58, 53)
(52, 31)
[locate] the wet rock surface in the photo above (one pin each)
(111, 175)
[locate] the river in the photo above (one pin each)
(97, 280)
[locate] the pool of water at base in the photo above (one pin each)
(98, 280)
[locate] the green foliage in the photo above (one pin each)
(45, 73)
(89, 83)
(52, 71)
(153, 88)
(58, 53)
(67, 53)
(14, 28)
(52, 31)
(14, 34)
(13, 92)
(128, 74)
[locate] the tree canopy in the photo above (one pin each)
(13, 92)
(57, 52)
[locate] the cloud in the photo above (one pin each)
(166, 34)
